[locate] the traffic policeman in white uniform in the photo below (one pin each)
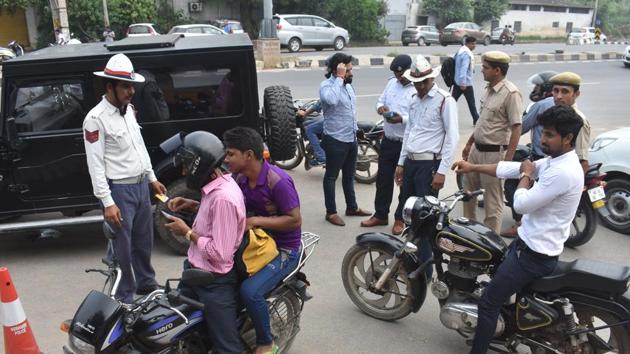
(121, 172)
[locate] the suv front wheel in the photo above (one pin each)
(340, 43)
(279, 122)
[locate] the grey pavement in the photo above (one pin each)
(51, 283)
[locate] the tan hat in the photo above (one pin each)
(496, 56)
(119, 67)
(566, 78)
(421, 70)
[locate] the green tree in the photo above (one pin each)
(12, 5)
(486, 10)
(447, 11)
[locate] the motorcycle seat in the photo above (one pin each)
(366, 126)
(583, 274)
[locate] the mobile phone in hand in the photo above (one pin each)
(389, 115)
(167, 215)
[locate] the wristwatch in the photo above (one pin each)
(523, 174)
(190, 231)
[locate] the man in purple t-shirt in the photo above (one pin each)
(273, 204)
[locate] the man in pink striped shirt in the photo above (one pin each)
(215, 235)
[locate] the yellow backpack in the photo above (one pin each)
(256, 250)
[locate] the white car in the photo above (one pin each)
(142, 30)
(296, 31)
(612, 150)
(196, 30)
(585, 35)
(626, 57)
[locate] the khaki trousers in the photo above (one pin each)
(493, 196)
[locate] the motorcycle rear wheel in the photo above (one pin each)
(617, 337)
(583, 225)
(356, 272)
(367, 163)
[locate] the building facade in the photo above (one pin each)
(545, 17)
(204, 11)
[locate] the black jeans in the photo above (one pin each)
(340, 156)
(417, 179)
(387, 162)
(470, 98)
(221, 311)
(519, 268)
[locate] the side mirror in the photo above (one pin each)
(12, 136)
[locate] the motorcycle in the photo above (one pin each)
(582, 307)
(592, 202)
(369, 138)
(507, 38)
(170, 320)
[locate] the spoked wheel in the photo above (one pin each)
(583, 225)
(367, 163)
(361, 268)
(608, 340)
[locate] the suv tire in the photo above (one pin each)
(177, 243)
(279, 116)
(618, 203)
(339, 43)
(294, 45)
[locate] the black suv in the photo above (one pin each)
(195, 83)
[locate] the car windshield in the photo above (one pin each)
(236, 26)
(176, 30)
(455, 25)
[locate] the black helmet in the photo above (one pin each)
(200, 154)
(401, 62)
(542, 85)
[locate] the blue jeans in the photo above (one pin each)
(254, 289)
(314, 129)
(518, 269)
(340, 157)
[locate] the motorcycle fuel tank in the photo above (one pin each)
(159, 327)
(471, 240)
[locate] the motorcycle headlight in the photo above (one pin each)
(408, 209)
(81, 347)
(601, 143)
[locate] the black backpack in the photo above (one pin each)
(448, 71)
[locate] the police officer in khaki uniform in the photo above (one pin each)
(495, 136)
(566, 90)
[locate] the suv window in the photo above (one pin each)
(138, 29)
(319, 23)
(305, 21)
(47, 106)
(292, 20)
(187, 92)
(194, 30)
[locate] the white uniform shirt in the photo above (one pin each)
(432, 127)
(397, 98)
(549, 206)
(114, 148)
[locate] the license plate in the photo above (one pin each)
(597, 193)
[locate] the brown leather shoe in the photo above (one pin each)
(373, 221)
(512, 232)
(398, 227)
(335, 219)
(357, 212)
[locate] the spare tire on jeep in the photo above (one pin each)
(279, 122)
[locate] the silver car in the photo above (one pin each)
(423, 35)
(297, 31)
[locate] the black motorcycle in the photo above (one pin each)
(582, 307)
(170, 321)
(369, 138)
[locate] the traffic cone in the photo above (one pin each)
(18, 337)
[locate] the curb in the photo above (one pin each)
(384, 61)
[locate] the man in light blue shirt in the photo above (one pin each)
(339, 139)
(464, 68)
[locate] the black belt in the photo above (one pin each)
(489, 147)
(397, 140)
(522, 246)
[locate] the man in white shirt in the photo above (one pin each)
(548, 205)
(430, 139)
(393, 104)
(121, 171)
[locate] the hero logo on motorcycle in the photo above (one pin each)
(164, 328)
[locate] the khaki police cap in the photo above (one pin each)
(566, 78)
(496, 56)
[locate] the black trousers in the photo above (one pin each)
(387, 162)
(469, 93)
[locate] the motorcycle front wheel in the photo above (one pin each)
(583, 225)
(367, 163)
(361, 268)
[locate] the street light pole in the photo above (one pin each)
(268, 30)
(105, 14)
(594, 24)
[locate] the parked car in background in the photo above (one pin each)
(236, 25)
(196, 30)
(457, 32)
(612, 150)
(421, 35)
(585, 35)
(626, 57)
(297, 31)
(142, 29)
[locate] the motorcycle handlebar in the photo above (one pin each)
(176, 296)
(470, 195)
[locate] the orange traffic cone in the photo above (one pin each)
(18, 337)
